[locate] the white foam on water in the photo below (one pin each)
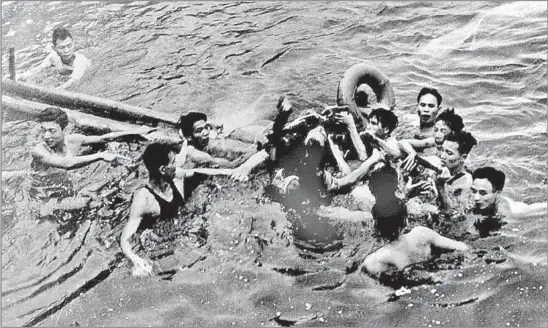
(442, 46)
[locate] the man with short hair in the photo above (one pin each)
(64, 59)
(445, 123)
(160, 199)
(195, 130)
(428, 106)
(490, 207)
(454, 181)
(59, 152)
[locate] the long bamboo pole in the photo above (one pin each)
(97, 105)
(30, 109)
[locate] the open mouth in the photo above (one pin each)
(425, 117)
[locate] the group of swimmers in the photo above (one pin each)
(310, 160)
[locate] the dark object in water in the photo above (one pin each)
(12, 63)
(389, 212)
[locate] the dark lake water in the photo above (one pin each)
(488, 59)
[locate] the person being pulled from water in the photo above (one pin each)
(63, 59)
(380, 146)
(58, 153)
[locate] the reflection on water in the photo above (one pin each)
(233, 60)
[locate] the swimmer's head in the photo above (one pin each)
(159, 159)
(428, 105)
(389, 212)
(63, 43)
(52, 123)
(194, 126)
(487, 186)
(382, 122)
(456, 148)
(447, 122)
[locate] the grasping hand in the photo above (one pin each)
(345, 118)
(142, 268)
(240, 174)
(419, 188)
(114, 158)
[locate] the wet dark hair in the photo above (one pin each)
(465, 140)
(389, 212)
(60, 33)
(387, 118)
(53, 114)
(452, 120)
(186, 122)
(496, 177)
(432, 91)
(156, 155)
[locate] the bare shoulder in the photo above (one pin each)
(82, 59)
(39, 150)
(144, 203)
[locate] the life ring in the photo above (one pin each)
(374, 83)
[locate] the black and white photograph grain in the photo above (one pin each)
(274, 163)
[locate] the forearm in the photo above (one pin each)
(407, 148)
(358, 143)
(70, 163)
(67, 84)
(353, 176)
(112, 136)
(339, 158)
(443, 198)
(392, 150)
(255, 160)
(126, 249)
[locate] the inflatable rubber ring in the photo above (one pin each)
(377, 81)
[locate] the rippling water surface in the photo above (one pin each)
(232, 60)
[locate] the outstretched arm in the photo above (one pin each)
(390, 146)
(241, 173)
(86, 140)
(68, 163)
(203, 158)
(520, 209)
(81, 64)
(356, 175)
(409, 146)
(137, 211)
(424, 234)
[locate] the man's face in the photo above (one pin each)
(64, 48)
(484, 195)
(441, 130)
(428, 108)
(450, 156)
(168, 171)
(375, 127)
(200, 133)
(52, 134)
